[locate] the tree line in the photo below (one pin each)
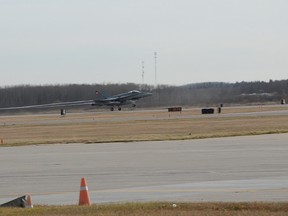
(198, 94)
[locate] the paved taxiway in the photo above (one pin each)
(251, 168)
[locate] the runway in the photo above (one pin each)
(251, 168)
(139, 115)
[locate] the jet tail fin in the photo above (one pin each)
(100, 95)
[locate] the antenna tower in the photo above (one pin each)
(155, 56)
(142, 72)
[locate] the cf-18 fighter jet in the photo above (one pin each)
(120, 99)
(114, 101)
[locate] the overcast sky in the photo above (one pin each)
(93, 41)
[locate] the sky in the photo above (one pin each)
(91, 41)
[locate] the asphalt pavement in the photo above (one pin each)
(248, 168)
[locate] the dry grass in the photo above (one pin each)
(141, 209)
(132, 126)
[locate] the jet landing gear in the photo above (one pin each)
(112, 108)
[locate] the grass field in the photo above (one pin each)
(135, 126)
(156, 209)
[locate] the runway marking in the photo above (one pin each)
(39, 194)
(188, 190)
(231, 190)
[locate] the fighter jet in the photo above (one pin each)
(101, 100)
(120, 99)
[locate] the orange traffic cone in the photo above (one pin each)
(84, 198)
(28, 203)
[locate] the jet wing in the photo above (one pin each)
(106, 103)
(122, 98)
